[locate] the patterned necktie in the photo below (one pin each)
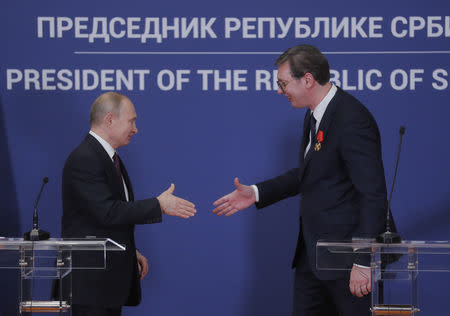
(117, 164)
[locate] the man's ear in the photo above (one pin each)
(309, 79)
(108, 119)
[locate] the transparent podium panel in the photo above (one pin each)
(15, 253)
(48, 264)
(391, 266)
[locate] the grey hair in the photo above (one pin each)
(104, 104)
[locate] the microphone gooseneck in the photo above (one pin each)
(35, 214)
(389, 237)
(35, 233)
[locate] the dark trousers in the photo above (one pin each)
(314, 297)
(82, 310)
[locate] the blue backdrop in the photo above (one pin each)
(393, 57)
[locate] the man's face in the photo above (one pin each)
(293, 89)
(123, 126)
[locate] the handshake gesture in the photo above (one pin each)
(239, 199)
(175, 206)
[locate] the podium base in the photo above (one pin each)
(394, 310)
(44, 306)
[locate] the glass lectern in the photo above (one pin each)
(389, 262)
(52, 261)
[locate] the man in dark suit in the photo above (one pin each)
(340, 178)
(98, 201)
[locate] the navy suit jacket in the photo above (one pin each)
(342, 183)
(94, 204)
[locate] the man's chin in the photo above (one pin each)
(298, 106)
(125, 143)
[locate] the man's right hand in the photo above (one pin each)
(239, 199)
(360, 281)
(175, 206)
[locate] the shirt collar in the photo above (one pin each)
(108, 148)
(320, 109)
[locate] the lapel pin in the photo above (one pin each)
(319, 139)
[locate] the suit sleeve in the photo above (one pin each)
(278, 188)
(86, 185)
(361, 152)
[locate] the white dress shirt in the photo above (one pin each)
(318, 113)
(110, 151)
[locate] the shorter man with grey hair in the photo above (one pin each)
(98, 201)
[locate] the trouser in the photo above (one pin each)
(314, 297)
(83, 310)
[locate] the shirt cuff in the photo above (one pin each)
(358, 265)
(255, 189)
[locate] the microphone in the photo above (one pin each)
(389, 237)
(37, 234)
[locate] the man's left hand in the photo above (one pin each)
(360, 281)
(142, 264)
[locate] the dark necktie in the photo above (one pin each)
(312, 128)
(117, 164)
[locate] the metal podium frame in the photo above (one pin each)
(402, 261)
(51, 260)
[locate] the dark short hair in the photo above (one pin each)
(105, 103)
(306, 58)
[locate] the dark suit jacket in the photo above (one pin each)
(342, 185)
(94, 204)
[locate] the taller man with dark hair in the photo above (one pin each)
(340, 178)
(98, 201)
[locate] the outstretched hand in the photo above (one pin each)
(239, 199)
(175, 206)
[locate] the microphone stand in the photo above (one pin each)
(37, 234)
(389, 237)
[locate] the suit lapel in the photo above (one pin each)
(323, 126)
(127, 181)
(110, 169)
(328, 116)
